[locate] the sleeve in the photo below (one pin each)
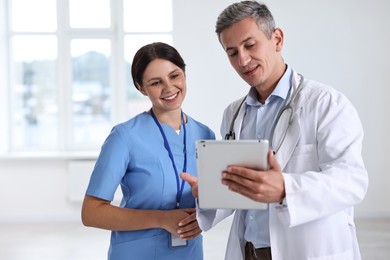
(328, 175)
(208, 218)
(110, 167)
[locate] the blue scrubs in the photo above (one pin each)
(134, 157)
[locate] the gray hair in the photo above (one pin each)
(241, 10)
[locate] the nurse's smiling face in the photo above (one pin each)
(165, 85)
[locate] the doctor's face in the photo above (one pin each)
(256, 58)
(165, 85)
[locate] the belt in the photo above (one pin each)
(252, 253)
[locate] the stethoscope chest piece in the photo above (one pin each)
(230, 136)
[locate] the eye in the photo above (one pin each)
(174, 76)
(231, 53)
(177, 75)
(250, 45)
(155, 83)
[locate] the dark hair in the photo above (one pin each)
(241, 10)
(150, 52)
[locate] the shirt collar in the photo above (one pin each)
(281, 90)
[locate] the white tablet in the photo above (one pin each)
(213, 157)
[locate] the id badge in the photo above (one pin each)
(176, 241)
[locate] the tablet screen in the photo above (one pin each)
(213, 157)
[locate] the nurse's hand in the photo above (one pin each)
(262, 186)
(189, 227)
(182, 222)
(192, 181)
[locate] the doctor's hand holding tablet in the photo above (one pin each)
(261, 186)
(236, 175)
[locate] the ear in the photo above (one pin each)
(141, 89)
(279, 39)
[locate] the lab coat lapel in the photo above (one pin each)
(240, 118)
(292, 132)
(290, 140)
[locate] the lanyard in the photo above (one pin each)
(180, 188)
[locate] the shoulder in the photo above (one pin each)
(315, 93)
(235, 105)
(196, 125)
(135, 124)
(237, 102)
(323, 101)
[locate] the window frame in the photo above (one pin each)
(4, 81)
(65, 34)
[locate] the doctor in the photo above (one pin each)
(316, 173)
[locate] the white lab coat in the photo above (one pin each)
(324, 178)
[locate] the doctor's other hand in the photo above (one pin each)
(192, 181)
(262, 186)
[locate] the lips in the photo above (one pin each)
(250, 71)
(169, 98)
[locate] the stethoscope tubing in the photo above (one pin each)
(289, 106)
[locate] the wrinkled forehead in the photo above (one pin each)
(239, 33)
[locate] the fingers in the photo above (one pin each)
(263, 186)
(272, 162)
(239, 180)
(190, 231)
(189, 227)
(240, 175)
(190, 218)
(190, 210)
(246, 187)
(192, 181)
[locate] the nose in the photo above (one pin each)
(168, 85)
(243, 58)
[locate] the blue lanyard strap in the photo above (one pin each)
(180, 187)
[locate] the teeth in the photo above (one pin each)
(171, 97)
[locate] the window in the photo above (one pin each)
(69, 63)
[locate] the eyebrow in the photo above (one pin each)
(173, 71)
(158, 78)
(152, 79)
(242, 42)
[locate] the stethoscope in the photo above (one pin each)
(289, 107)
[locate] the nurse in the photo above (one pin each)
(145, 156)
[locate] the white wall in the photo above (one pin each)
(342, 43)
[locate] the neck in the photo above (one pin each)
(171, 118)
(268, 87)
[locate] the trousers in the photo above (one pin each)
(251, 253)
